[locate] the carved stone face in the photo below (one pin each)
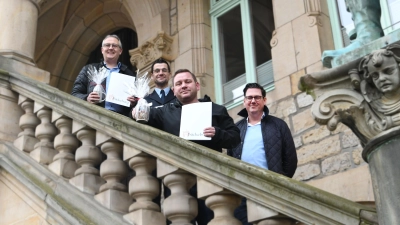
(386, 77)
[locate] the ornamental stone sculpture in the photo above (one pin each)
(367, 94)
(364, 94)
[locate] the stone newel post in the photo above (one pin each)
(364, 94)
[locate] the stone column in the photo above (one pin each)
(180, 207)
(26, 139)
(223, 202)
(113, 194)
(364, 94)
(44, 151)
(143, 188)
(88, 156)
(66, 144)
(18, 22)
(383, 154)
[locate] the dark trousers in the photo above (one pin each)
(241, 212)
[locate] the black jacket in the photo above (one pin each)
(278, 143)
(156, 100)
(168, 119)
(83, 87)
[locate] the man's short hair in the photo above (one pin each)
(114, 36)
(159, 61)
(254, 85)
(183, 71)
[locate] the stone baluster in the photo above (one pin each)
(11, 112)
(65, 143)
(143, 188)
(88, 156)
(26, 139)
(223, 202)
(180, 207)
(113, 194)
(43, 151)
(260, 215)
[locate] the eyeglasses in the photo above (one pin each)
(108, 45)
(158, 70)
(256, 98)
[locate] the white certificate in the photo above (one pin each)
(195, 117)
(117, 90)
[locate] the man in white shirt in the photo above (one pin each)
(160, 74)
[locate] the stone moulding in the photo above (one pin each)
(160, 46)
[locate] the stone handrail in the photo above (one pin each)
(216, 173)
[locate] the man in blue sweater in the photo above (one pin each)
(266, 140)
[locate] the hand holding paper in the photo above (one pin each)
(194, 119)
(117, 91)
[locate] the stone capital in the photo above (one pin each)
(363, 94)
(159, 46)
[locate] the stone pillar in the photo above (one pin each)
(43, 151)
(143, 188)
(223, 202)
(88, 156)
(18, 22)
(180, 207)
(364, 94)
(113, 194)
(382, 153)
(26, 139)
(65, 143)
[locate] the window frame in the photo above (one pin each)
(218, 9)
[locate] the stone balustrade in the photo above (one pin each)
(96, 151)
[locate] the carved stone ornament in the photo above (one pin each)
(160, 46)
(363, 94)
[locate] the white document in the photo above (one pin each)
(117, 90)
(195, 117)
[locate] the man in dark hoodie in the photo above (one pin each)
(223, 132)
(266, 140)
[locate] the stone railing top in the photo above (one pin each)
(287, 196)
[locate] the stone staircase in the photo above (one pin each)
(92, 166)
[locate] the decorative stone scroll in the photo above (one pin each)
(366, 99)
(160, 46)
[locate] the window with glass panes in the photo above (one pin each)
(242, 30)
